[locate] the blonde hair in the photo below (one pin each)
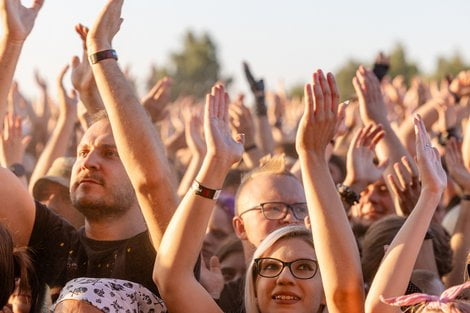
(268, 165)
(287, 232)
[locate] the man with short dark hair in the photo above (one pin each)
(120, 180)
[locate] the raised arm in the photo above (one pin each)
(264, 129)
(138, 144)
(335, 246)
(18, 21)
(17, 210)
(395, 270)
(183, 239)
(372, 110)
(60, 138)
(82, 77)
(460, 240)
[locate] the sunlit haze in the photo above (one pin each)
(283, 40)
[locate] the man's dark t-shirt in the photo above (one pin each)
(61, 253)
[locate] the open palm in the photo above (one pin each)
(19, 20)
(220, 143)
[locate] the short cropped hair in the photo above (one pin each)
(98, 116)
(269, 165)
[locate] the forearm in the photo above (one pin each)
(182, 242)
(92, 101)
(466, 145)
(55, 148)
(335, 246)
(390, 148)
(460, 244)
(252, 157)
(397, 265)
(407, 134)
(9, 55)
(139, 147)
(265, 135)
(189, 175)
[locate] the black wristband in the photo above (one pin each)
(103, 55)
(465, 197)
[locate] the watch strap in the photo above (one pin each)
(205, 192)
(103, 55)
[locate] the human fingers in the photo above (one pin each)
(214, 103)
(404, 177)
(226, 105)
(318, 100)
(309, 104)
(335, 95)
(60, 77)
(394, 185)
(326, 92)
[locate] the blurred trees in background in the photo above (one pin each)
(193, 69)
(196, 67)
(399, 65)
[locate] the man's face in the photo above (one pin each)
(375, 203)
(100, 187)
(253, 226)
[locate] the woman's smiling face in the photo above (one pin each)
(285, 293)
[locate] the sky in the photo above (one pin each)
(284, 41)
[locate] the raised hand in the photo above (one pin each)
(82, 77)
(432, 175)
(40, 81)
(258, 89)
(106, 26)
(371, 102)
(461, 84)
(220, 144)
(12, 143)
(193, 131)
(156, 101)
(455, 166)
(67, 102)
(361, 169)
(319, 121)
(405, 186)
(18, 20)
(242, 121)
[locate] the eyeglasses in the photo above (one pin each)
(278, 210)
(271, 267)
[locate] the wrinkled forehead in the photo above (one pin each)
(99, 133)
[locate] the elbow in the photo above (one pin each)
(162, 276)
(349, 296)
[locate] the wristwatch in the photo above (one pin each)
(17, 169)
(205, 192)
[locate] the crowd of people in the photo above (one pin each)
(111, 203)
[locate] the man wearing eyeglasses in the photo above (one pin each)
(268, 198)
